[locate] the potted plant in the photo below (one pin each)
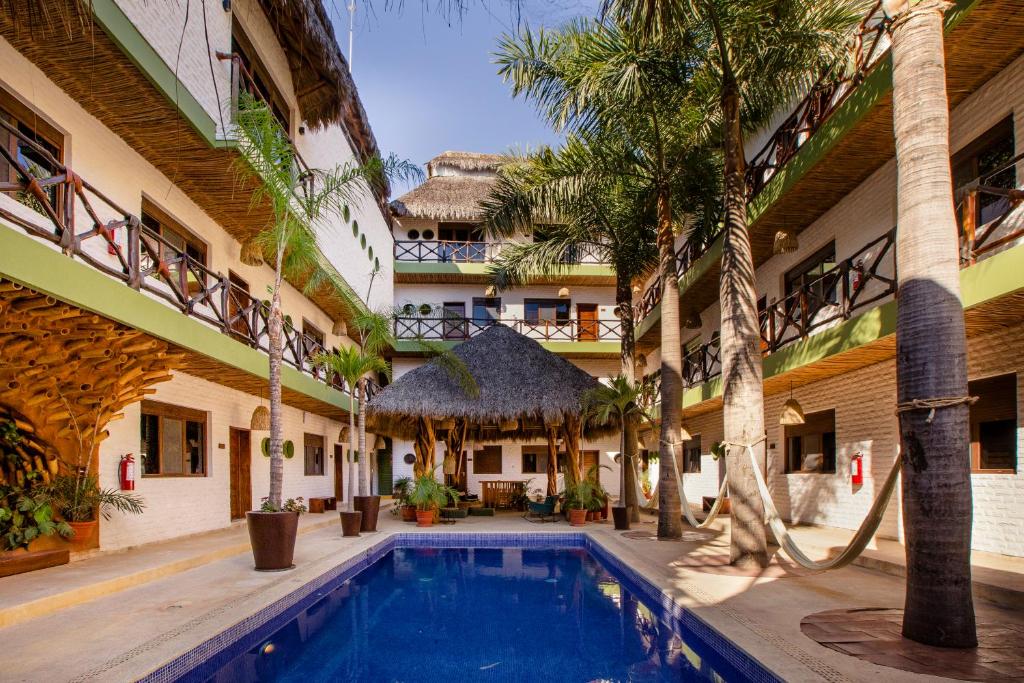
(521, 496)
(451, 509)
(272, 533)
(78, 498)
(402, 489)
(427, 495)
(351, 522)
(578, 497)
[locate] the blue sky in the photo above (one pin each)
(427, 81)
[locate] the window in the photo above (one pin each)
(535, 459)
(811, 447)
(691, 455)
(174, 240)
(258, 84)
(591, 464)
(487, 461)
(314, 453)
(238, 306)
(454, 324)
(810, 277)
(173, 442)
(486, 309)
(547, 311)
(985, 159)
(994, 424)
(458, 232)
(462, 242)
(310, 330)
(37, 158)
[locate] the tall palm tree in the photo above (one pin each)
(353, 365)
(931, 359)
(601, 80)
(617, 401)
(303, 205)
(579, 210)
(375, 336)
(752, 57)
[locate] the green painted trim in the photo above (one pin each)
(481, 269)
(44, 269)
(591, 348)
(122, 31)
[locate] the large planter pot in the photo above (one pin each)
(424, 518)
(84, 533)
(577, 517)
(369, 506)
(408, 513)
(351, 523)
(620, 515)
(272, 535)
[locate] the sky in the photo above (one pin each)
(428, 82)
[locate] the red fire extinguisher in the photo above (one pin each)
(857, 469)
(126, 472)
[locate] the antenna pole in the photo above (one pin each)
(351, 27)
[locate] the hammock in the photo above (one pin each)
(685, 505)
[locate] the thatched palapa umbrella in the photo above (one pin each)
(525, 392)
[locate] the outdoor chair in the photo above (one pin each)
(541, 511)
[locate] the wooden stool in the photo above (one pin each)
(317, 504)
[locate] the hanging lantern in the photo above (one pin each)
(491, 291)
(692, 321)
(251, 253)
(446, 423)
(785, 242)
(340, 328)
(260, 421)
(378, 443)
(563, 293)
(792, 411)
(636, 289)
(508, 425)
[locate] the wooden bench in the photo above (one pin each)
(323, 504)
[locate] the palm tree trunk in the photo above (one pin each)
(742, 381)
(364, 459)
(552, 469)
(670, 523)
(931, 353)
(276, 332)
(627, 356)
(573, 465)
(350, 474)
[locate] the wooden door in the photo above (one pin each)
(588, 325)
(241, 466)
(590, 459)
(339, 471)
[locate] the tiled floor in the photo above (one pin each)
(874, 636)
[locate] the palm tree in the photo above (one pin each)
(932, 350)
(618, 400)
(752, 57)
(604, 82)
(579, 210)
(353, 365)
(375, 335)
(302, 203)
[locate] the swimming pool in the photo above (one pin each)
(498, 607)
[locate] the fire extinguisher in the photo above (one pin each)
(126, 472)
(857, 469)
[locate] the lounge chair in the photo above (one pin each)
(537, 511)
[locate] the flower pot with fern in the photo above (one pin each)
(428, 495)
(79, 499)
(578, 499)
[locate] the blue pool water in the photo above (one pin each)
(477, 614)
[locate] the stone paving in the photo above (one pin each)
(124, 635)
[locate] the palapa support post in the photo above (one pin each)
(425, 446)
(552, 434)
(572, 431)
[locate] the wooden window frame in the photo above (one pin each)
(537, 452)
(969, 154)
(25, 117)
(472, 230)
(169, 222)
(974, 428)
(168, 410)
(248, 53)
(306, 439)
(688, 446)
(786, 435)
(543, 301)
(489, 450)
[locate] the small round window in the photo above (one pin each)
(408, 309)
(428, 234)
(355, 228)
(414, 234)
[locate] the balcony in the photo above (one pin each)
(54, 205)
(443, 251)
(456, 329)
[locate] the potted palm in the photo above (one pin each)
(578, 498)
(401, 491)
(428, 495)
(79, 499)
(302, 202)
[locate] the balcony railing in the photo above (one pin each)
(445, 251)
(56, 205)
(460, 329)
(686, 255)
(986, 212)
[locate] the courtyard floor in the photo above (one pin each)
(118, 616)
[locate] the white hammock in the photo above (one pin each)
(685, 505)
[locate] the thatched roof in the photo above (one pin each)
(444, 198)
(518, 380)
(465, 161)
(323, 85)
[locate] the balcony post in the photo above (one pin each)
(134, 266)
(225, 285)
(970, 213)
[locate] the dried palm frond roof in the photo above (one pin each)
(444, 197)
(466, 161)
(518, 379)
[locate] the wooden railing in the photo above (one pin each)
(868, 44)
(686, 255)
(985, 211)
(62, 208)
(444, 251)
(460, 329)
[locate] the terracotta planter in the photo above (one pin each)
(604, 510)
(272, 535)
(84, 533)
(351, 522)
(424, 517)
(370, 507)
(620, 515)
(408, 513)
(577, 517)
